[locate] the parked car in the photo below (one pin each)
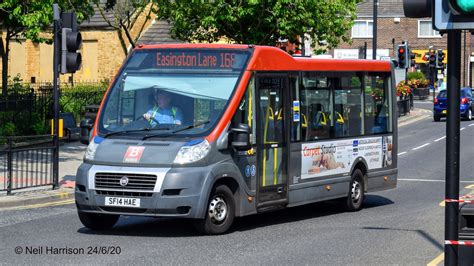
(466, 106)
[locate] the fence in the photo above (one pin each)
(28, 107)
(26, 162)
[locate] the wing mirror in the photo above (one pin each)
(241, 137)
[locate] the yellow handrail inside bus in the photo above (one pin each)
(275, 158)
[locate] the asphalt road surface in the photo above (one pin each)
(400, 226)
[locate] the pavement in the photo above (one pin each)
(70, 157)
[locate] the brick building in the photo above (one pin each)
(393, 28)
(102, 53)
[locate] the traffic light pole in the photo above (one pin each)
(374, 31)
(452, 147)
(56, 55)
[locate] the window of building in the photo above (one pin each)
(425, 30)
(362, 29)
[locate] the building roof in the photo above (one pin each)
(386, 8)
(97, 21)
(158, 32)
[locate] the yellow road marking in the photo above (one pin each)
(437, 260)
(469, 187)
(40, 205)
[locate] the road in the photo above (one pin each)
(400, 226)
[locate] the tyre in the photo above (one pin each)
(436, 118)
(97, 221)
(356, 195)
(469, 115)
(220, 212)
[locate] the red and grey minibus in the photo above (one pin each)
(257, 130)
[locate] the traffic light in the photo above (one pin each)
(432, 59)
(462, 7)
(439, 58)
(453, 15)
(447, 14)
(71, 41)
(402, 56)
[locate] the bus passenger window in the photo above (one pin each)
(376, 95)
(348, 111)
(315, 108)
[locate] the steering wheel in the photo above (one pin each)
(143, 118)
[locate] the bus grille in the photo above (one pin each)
(124, 181)
(124, 193)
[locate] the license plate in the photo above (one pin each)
(444, 112)
(122, 202)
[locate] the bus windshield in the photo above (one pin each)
(172, 92)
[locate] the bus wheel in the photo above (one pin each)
(97, 221)
(220, 212)
(356, 192)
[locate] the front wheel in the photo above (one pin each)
(436, 118)
(356, 194)
(96, 221)
(469, 115)
(220, 212)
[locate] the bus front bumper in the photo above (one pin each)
(179, 195)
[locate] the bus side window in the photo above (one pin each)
(348, 102)
(376, 94)
(315, 107)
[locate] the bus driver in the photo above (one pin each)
(163, 112)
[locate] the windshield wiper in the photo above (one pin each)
(176, 131)
(190, 126)
(132, 131)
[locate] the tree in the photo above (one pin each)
(29, 18)
(262, 22)
(125, 16)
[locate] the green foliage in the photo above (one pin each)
(25, 120)
(30, 17)
(7, 129)
(416, 75)
(259, 22)
(74, 99)
(16, 86)
(21, 123)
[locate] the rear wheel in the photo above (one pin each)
(356, 194)
(220, 212)
(469, 115)
(96, 221)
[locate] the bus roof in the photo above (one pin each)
(267, 58)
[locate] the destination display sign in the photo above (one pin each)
(218, 59)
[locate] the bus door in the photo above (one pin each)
(272, 135)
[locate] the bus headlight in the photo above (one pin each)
(192, 151)
(91, 149)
